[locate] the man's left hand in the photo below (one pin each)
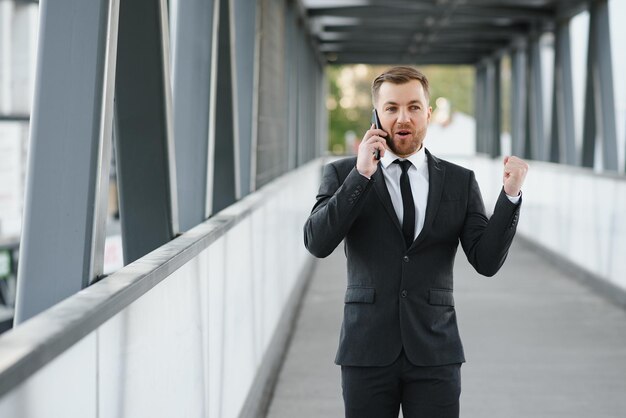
(515, 170)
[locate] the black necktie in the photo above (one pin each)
(408, 219)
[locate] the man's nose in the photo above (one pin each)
(403, 116)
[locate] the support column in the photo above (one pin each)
(293, 85)
(191, 93)
(145, 152)
(487, 123)
(320, 107)
(480, 104)
(562, 138)
(243, 18)
(303, 91)
(62, 244)
(223, 162)
(518, 100)
(496, 109)
(599, 101)
(535, 136)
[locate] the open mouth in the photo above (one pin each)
(403, 133)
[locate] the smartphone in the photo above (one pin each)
(378, 125)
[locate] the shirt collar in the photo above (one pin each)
(418, 159)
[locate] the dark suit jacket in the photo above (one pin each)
(398, 297)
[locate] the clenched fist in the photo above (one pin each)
(515, 170)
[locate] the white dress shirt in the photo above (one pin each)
(418, 179)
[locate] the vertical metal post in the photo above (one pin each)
(243, 32)
(535, 135)
(62, 244)
(309, 99)
(479, 104)
(483, 120)
(518, 100)
(144, 145)
(563, 141)
(495, 126)
(291, 71)
(487, 131)
(191, 78)
(303, 114)
(599, 101)
(223, 164)
(320, 105)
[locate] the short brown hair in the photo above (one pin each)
(399, 75)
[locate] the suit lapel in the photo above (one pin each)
(383, 194)
(436, 176)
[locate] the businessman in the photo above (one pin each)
(401, 219)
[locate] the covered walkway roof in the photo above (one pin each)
(428, 31)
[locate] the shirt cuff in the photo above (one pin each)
(514, 199)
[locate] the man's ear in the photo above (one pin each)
(430, 112)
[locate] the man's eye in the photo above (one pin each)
(390, 109)
(415, 108)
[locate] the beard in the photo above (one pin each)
(408, 145)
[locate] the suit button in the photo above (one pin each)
(403, 293)
(405, 258)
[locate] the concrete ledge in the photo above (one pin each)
(595, 283)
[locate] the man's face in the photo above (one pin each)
(404, 114)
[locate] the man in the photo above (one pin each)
(401, 219)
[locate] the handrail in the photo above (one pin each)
(29, 347)
(561, 168)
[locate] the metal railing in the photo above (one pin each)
(36, 343)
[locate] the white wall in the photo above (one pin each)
(191, 345)
(573, 212)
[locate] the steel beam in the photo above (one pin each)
(62, 245)
(293, 86)
(496, 107)
(469, 58)
(535, 136)
(599, 101)
(562, 138)
(191, 79)
(145, 153)
(304, 111)
(223, 161)
(243, 30)
(480, 107)
(417, 9)
(519, 98)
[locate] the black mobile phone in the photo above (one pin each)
(378, 125)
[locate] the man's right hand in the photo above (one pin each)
(366, 162)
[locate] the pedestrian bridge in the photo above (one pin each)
(214, 116)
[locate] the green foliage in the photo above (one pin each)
(349, 97)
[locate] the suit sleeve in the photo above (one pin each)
(486, 241)
(338, 205)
